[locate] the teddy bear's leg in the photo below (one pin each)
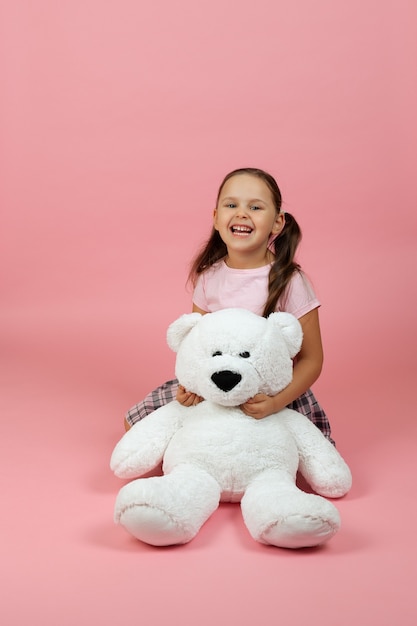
(169, 509)
(276, 512)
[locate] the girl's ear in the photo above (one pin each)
(279, 224)
(215, 219)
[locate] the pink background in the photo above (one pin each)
(118, 121)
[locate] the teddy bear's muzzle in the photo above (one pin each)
(226, 380)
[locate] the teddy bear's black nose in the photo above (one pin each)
(226, 379)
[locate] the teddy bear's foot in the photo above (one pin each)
(154, 526)
(299, 531)
(276, 512)
(170, 509)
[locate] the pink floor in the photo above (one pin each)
(64, 562)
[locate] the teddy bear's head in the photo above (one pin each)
(231, 355)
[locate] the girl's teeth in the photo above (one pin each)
(241, 229)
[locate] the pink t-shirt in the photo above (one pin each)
(221, 287)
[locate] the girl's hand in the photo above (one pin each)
(186, 398)
(259, 406)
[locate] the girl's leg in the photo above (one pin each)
(308, 405)
(155, 399)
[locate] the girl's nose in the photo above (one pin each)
(241, 211)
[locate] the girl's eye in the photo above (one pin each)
(245, 355)
(217, 353)
(231, 205)
(255, 208)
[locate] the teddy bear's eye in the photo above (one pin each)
(217, 353)
(245, 355)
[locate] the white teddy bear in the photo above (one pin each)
(213, 452)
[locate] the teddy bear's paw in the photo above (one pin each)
(154, 525)
(300, 531)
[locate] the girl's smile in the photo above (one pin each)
(240, 230)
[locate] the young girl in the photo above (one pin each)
(248, 262)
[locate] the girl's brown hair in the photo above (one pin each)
(284, 246)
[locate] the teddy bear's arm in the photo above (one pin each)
(320, 463)
(142, 447)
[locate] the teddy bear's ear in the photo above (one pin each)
(180, 328)
(290, 328)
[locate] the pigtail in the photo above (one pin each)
(284, 266)
(213, 250)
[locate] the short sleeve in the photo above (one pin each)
(300, 297)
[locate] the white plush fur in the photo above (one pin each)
(213, 452)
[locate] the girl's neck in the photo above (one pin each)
(247, 261)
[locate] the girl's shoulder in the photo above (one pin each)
(300, 297)
(213, 271)
(300, 281)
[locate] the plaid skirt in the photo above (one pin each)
(305, 404)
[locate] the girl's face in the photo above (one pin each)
(245, 216)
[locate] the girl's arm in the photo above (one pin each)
(196, 309)
(306, 371)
